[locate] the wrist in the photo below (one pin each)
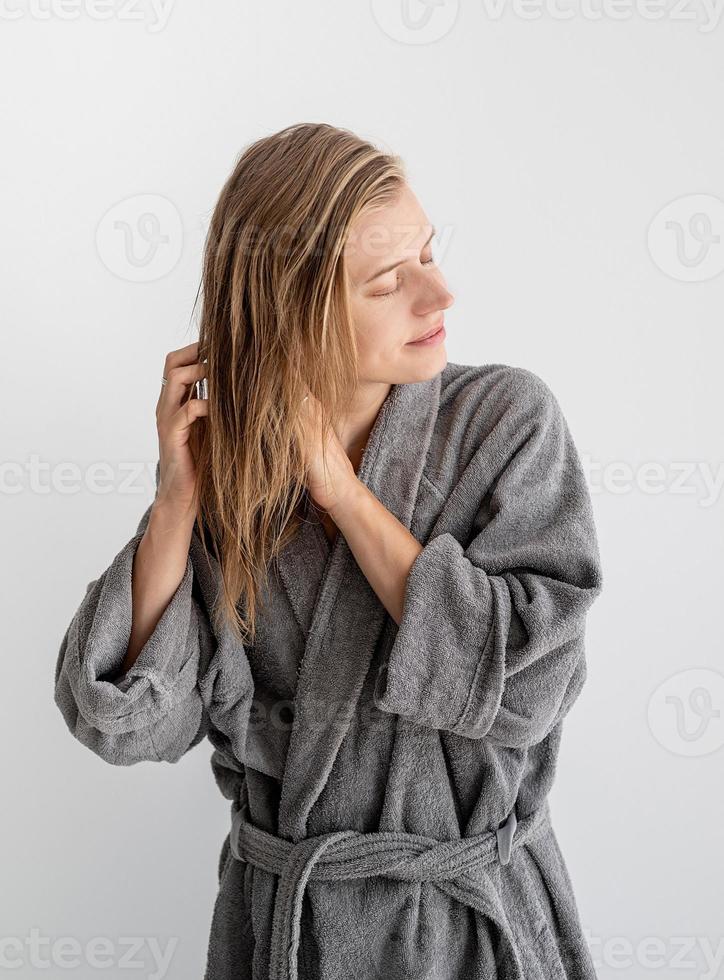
(170, 519)
(348, 500)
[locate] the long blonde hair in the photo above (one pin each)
(275, 321)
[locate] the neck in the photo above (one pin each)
(357, 424)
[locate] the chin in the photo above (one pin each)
(425, 363)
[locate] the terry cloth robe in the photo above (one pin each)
(389, 815)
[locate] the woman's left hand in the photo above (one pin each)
(327, 486)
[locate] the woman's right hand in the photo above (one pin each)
(175, 415)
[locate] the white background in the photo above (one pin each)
(544, 148)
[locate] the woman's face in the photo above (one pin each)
(393, 308)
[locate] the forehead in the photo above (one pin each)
(393, 233)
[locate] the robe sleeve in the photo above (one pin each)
(157, 710)
(491, 640)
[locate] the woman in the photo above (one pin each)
(385, 707)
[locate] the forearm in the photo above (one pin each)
(383, 547)
(158, 568)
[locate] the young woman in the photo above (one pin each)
(365, 578)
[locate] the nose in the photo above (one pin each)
(449, 299)
(441, 298)
(433, 294)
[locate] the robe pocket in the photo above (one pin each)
(540, 906)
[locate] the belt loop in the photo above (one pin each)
(237, 815)
(505, 837)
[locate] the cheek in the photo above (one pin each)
(382, 327)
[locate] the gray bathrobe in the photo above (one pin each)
(388, 785)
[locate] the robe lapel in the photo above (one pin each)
(302, 566)
(337, 608)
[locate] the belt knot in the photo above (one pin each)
(347, 854)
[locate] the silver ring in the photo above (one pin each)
(164, 381)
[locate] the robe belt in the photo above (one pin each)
(453, 865)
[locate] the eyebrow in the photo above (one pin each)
(389, 268)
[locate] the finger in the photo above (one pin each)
(184, 355)
(178, 381)
(191, 410)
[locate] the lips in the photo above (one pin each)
(430, 333)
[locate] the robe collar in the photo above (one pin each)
(339, 613)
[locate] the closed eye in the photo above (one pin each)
(391, 292)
